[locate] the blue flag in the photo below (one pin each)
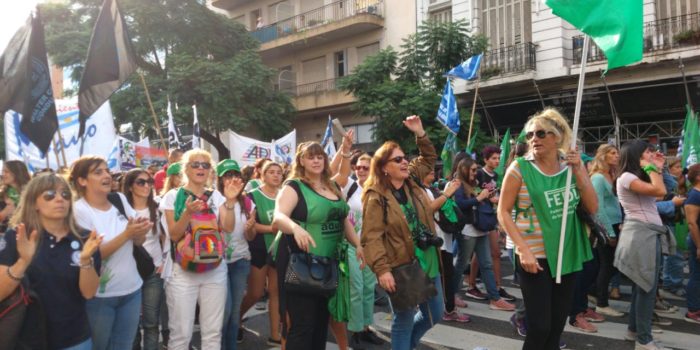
(447, 113)
(468, 69)
(327, 142)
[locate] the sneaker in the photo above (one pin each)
(608, 311)
(475, 293)
(615, 294)
(508, 297)
(261, 305)
(671, 307)
(693, 316)
(274, 343)
(656, 329)
(582, 324)
(652, 345)
(592, 299)
(239, 338)
(459, 302)
(370, 337)
(502, 305)
(663, 307)
(456, 317)
(655, 319)
(592, 316)
(631, 336)
(519, 325)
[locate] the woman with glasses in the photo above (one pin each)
(236, 253)
(310, 210)
(138, 190)
(263, 271)
(114, 312)
(398, 228)
(195, 216)
(536, 184)
(58, 259)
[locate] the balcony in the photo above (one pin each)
(229, 4)
(325, 24)
(513, 59)
(316, 95)
(659, 36)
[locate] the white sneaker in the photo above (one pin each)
(652, 345)
(608, 311)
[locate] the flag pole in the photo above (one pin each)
(471, 120)
(537, 88)
(577, 114)
(55, 151)
(153, 112)
(613, 110)
(63, 150)
(685, 83)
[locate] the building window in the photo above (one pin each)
(364, 133)
(255, 19)
(506, 22)
(339, 64)
(674, 8)
(364, 51)
(313, 70)
(441, 16)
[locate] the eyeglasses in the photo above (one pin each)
(539, 133)
(200, 165)
(399, 159)
(143, 182)
(361, 167)
(51, 195)
(231, 174)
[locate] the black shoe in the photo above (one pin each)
(239, 338)
(502, 292)
(370, 337)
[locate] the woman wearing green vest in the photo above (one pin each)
(396, 212)
(311, 211)
(263, 271)
(534, 187)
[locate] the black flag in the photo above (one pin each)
(25, 83)
(109, 62)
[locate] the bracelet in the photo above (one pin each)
(12, 276)
(346, 155)
(650, 168)
(89, 265)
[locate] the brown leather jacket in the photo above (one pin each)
(386, 238)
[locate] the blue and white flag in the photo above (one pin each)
(468, 70)
(195, 129)
(327, 142)
(447, 113)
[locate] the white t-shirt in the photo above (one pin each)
(152, 244)
(236, 244)
(636, 206)
(355, 203)
(118, 276)
(168, 201)
(446, 237)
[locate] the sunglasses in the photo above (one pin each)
(362, 167)
(399, 159)
(51, 195)
(539, 133)
(231, 174)
(143, 182)
(200, 165)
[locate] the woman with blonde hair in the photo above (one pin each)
(536, 183)
(310, 210)
(603, 174)
(59, 259)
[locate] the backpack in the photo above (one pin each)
(485, 219)
(144, 261)
(202, 247)
(450, 217)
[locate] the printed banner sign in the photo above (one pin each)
(146, 156)
(246, 150)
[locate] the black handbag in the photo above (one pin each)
(599, 236)
(413, 287)
(311, 274)
(22, 320)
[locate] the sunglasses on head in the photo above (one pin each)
(539, 133)
(143, 182)
(51, 195)
(361, 167)
(200, 165)
(399, 159)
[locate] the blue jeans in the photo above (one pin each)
(86, 345)
(480, 246)
(152, 299)
(693, 288)
(237, 283)
(114, 321)
(409, 326)
(642, 305)
(673, 272)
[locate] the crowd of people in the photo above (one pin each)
(95, 260)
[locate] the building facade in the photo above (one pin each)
(313, 43)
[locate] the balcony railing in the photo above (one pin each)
(311, 88)
(663, 34)
(510, 59)
(333, 12)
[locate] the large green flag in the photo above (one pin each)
(448, 153)
(521, 136)
(691, 139)
(505, 152)
(614, 25)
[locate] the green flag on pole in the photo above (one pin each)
(448, 153)
(505, 152)
(614, 25)
(691, 139)
(521, 137)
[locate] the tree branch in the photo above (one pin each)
(224, 152)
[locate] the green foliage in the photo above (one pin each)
(185, 52)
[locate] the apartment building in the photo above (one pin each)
(534, 60)
(313, 43)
